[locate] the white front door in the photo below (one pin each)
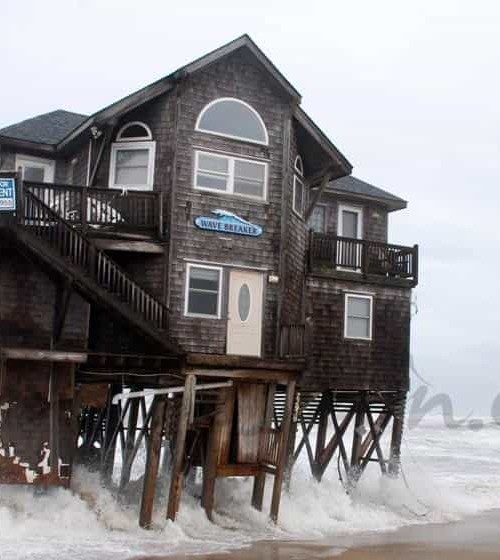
(244, 326)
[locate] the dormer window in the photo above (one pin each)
(299, 193)
(132, 158)
(233, 118)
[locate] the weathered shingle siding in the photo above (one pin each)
(27, 307)
(375, 217)
(339, 363)
(294, 246)
(236, 76)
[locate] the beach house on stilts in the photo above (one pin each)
(194, 268)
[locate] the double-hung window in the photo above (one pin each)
(203, 291)
(358, 319)
(132, 158)
(229, 174)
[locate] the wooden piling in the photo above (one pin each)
(152, 461)
(260, 480)
(283, 455)
(176, 481)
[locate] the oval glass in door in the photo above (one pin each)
(244, 302)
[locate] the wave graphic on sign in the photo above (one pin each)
(228, 222)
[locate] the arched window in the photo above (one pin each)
(132, 158)
(299, 166)
(234, 119)
(134, 131)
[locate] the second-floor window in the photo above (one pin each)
(350, 221)
(230, 174)
(132, 158)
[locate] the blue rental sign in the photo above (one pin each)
(227, 222)
(7, 195)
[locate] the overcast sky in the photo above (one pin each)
(409, 91)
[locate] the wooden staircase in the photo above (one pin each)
(90, 271)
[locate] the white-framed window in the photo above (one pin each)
(350, 221)
(358, 318)
(203, 291)
(233, 118)
(231, 175)
(35, 169)
(133, 158)
(299, 166)
(317, 221)
(299, 200)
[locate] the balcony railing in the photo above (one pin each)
(103, 209)
(328, 253)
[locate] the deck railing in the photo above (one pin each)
(99, 208)
(292, 341)
(329, 252)
(75, 248)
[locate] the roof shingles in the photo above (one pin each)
(353, 186)
(49, 128)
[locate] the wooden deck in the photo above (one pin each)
(347, 258)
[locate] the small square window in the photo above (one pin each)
(298, 196)
(203, 289)
(358, 316)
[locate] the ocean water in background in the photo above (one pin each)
(448, 474)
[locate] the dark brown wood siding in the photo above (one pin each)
(236, 76)
(375, 216)
(27, 307)
(339, 363)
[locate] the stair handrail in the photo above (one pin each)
(95, 261)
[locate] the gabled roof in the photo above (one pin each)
(360, 189)
(49, 128)
(147, 93)
(58, 132)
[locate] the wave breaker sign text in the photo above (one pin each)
(227, 222)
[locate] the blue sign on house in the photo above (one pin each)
(227, 222)
(7, 195)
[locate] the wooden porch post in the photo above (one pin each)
(321, 437)
(152, 461)
(283, 455)
(176, 481)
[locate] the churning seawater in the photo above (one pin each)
(448, 473)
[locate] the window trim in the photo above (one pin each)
(299, 166)
(356, 295)
(230, 184)
(133, 145)
(48, 165)
(340, 221)
(302, 213)
(219, 270)
(149, 135)
(233, 137)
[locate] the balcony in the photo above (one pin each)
(103, 210)
(347, 258)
